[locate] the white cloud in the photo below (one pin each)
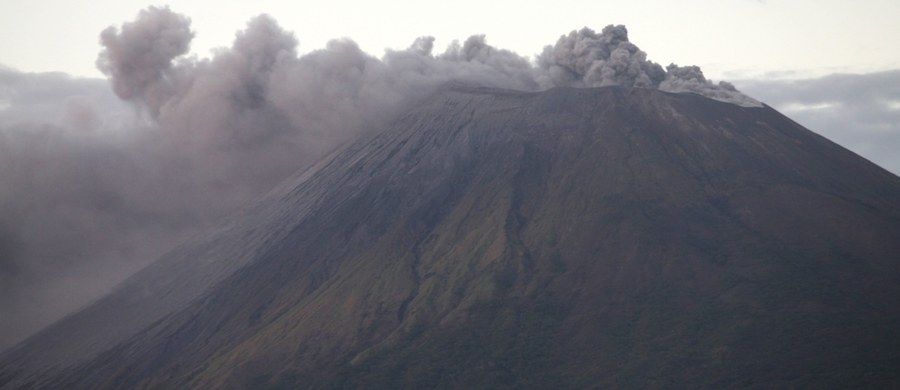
(800, 106)
(858, 111)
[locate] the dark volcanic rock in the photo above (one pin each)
(574, 238)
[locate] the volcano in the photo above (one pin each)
(570, 238)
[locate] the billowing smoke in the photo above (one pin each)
(585, 58)
(91, 192)
(680, 79)
(139, 57)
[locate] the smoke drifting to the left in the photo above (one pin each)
(99, 181)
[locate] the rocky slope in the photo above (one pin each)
(571, 238)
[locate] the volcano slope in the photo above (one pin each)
(571, 238)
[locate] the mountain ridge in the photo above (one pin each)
(492, 237)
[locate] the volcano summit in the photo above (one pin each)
(487, 238)
(470, 219)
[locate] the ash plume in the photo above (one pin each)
(585, 58)
(92, 192)
(680, 79)
(138, 56)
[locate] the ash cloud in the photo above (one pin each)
(88, 197)
(585, 58)
(100, 178)
(138, 57)
(681, 79)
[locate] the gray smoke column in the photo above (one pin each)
(138, 58)
(681, 79)
(585, 58)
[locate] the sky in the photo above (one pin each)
(727, 38)
(199, 108)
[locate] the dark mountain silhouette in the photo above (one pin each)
(572, 238)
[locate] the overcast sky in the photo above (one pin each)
(727, 38)
(93, 187)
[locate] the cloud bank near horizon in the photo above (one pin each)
(858, 111)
